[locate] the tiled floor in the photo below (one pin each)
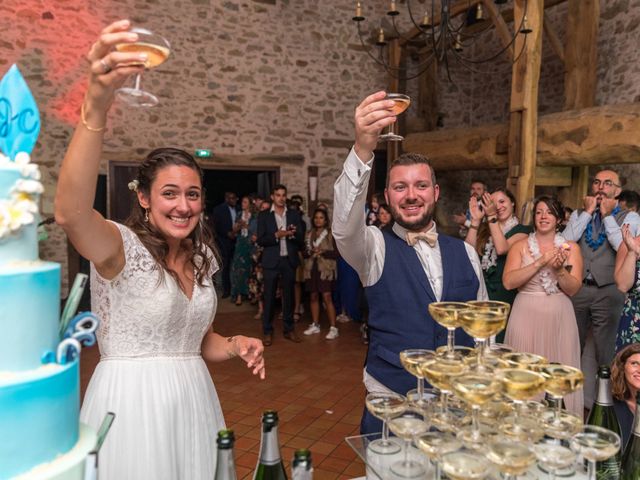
(316, 387)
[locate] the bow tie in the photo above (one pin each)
(430, 237)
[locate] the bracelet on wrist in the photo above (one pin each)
(230, 351)
(475, 227)
(86, 125)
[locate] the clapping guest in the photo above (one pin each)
(547, 270)
(493, 238)
(151, 286)
(241, 263)
(627, 277)
(320, 272)
(625, 384)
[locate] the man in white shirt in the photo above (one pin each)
(403, 269)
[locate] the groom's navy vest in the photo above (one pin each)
(398, 307)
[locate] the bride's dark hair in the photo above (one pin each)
(199, 244)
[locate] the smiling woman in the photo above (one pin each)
(153, 291)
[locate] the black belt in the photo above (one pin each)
(590, 282)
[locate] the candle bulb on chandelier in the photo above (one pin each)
(479, 12)
(358, 16)
(381, 39)
(425, 20)
(393, 11)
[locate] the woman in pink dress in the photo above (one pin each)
(546, 270)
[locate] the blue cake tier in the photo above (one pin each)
(38, 416)
(29, 314)
(23, 244)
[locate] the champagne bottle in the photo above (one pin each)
(270, 466)
(301, 468)
(603, 415)
(631, 456)
(225, 466)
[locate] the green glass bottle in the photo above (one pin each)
(603, 415)
(225, 466)
(270, 465)
(301, 468)
(631, 456)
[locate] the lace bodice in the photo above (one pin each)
(141, 315)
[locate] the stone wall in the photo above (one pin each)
(245, 78)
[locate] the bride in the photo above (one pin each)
(152, 289)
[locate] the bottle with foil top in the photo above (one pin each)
(603, 415)
(631, 456)
(301, 467)
(225, 466)
(270, 465)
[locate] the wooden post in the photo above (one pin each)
(523, 131)
(581, 77)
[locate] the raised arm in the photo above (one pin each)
(94, 237)
(626, 259)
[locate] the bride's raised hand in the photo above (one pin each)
(110, 68)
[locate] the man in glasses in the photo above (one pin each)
(596, 228)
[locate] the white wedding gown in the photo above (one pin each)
(151, 373)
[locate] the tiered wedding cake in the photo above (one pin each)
(40, 435)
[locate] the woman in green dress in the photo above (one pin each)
(494, 228)
(241, 263)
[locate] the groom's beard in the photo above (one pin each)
(415, 225)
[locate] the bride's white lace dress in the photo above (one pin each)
(151, 373)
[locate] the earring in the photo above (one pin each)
(146, 215)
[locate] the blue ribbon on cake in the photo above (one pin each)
(19, 115)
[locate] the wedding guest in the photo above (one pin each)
(153, 292)
(224, 218)
(385, 219)
(625, 384)
(493, 238)
(627, 277)
(241, 263)
(629, 200)
(298, 306)
(596, 228)
(404, 268)
(373, 207)
(320, 273)
(547, 271)
(281, 234)
(476, 190)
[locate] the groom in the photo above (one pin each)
(405, 269)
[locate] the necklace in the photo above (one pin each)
(549, 282)
(602, 235)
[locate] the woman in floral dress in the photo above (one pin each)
(627, 277)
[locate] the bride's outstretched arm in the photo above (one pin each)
(216, 348)
(94, 237)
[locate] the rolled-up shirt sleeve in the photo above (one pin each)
(361, 246)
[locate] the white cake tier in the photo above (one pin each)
(69, 466)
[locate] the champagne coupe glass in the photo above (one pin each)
(446, 314)
(157, 49)
(512, 457)
(520, 385)
(465, 465)
(561, 380)
(529, 361)
(401, 103)
(476, 389)
(440, 372)
(435, 444)
(595, 444)
(553, 457)
(501, 307)
(412, 360)
(409, 424)
(385, 406)
(481, 323)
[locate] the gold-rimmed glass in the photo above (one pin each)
(512, 457)
(408, 425)
(465, 465)
(476, 389)
(481, 323)
(561, 380)
(412, 360)
(385, 406)
(435, 444)
(519, 385)
(530, 361)
(401, 103)
(157, 49)
(554, 457)
(439, 373)
(595, 444)
(447, 314)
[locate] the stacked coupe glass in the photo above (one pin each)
(485, 416)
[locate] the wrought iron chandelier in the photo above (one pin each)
(447, 31)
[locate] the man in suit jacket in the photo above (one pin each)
(224, 218)
(281, 233)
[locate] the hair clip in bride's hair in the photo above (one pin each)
(133, 185)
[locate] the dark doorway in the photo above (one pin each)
(241, 182)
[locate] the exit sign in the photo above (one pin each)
(204, 153)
